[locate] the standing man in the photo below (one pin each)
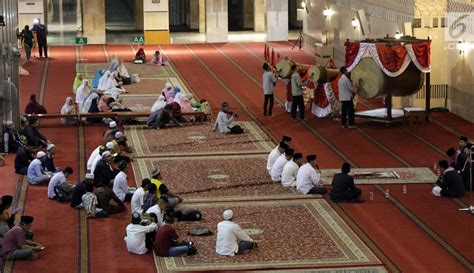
(346, 94)
(41, 33)
(269, 82)
(308, 180)
(27, 39)
(297, 92)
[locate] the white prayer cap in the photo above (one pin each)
(106, 154)
(9, 123)
(50, 146)
(110, 145)
(118, 135)
(112, 124)
(168, 85)
(40, 154)
(228, 214)
(89, 176)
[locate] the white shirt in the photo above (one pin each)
(222, 122)
(92, 157)
(95, 161)
(228, 236)
(346, 89)
(135, 238)
(269, 82)
(307, 178)
(272, 157)
(156, 210)
(89, 201)
(57, 179)
(288, 176)
(137, 200)
(277, 168)
(120, 187)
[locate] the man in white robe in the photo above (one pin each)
(308, 180)
(281, 161)
(290, 171)
(274, 154)
(231, 239)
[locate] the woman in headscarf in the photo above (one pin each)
(168, 88)
(87, 103)
(123, 73)
(159, 103)
(103, 81)
(157, 59)
(33, 107)
(77, 82)
(103, 104)
(140, 56)
(97, 76)
(186, 107)
(177, 94)
(114, 63)
(112, 88)
(68, 108)
(82, 93)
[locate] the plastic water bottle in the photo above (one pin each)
(404, 189)
(387, 193)
(371, 195)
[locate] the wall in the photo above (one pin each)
(248, 14)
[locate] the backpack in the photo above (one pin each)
(63, 192)
(236, 129)
(189, 215)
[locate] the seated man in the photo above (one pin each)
(15, 246)
(162, 190)
(150, 199)
(281, 161)
(95, 155)
(104, 173)
(36, 173)
(23, 158)
(274, 154)
(135, 234)
(308, 179)
(108, 147)
(463, 142)
(137, 199)
(120, 188)
(467, 170)
(231, 239)
(457, 159)
(79, 190)
(161, 117)
(89, 202)
(48, 164)
(343, 188)
(58, 187)
(107, 200)
(290, 171)
(109, 135)
(450, 182)
(121, 150)
(159, 210)
(33, 135)
(166, 244)
(224, 120)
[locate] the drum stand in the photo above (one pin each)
(299, 41)
(471, 160)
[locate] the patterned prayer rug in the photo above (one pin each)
(290, 234)
(385, 175)
(145, 71)
(205, 178)
(197, 140)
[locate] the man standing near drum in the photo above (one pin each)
(297, 92)
(269, 82)
(346, 94)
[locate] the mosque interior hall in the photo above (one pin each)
(236, 136)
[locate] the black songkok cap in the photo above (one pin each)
(297, 156)
(289, 152)
(464, 138)
(443, 164)
(7, 200)
(310, 158)
(286, 138)
(283, 145)
(451, 151)
(25, 219)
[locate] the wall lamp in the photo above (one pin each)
(463, 47)
(355, 23)
(327, 12)
(398, 35)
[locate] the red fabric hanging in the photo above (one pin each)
(273, 57)
(423, 53)
(320, 98)
(352, 49)
(289, 95)
(392, 57)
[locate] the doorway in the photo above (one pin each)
(293, 23)
(63, 18)
(240, 15)
(120, 20)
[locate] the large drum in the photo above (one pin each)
(321, 74)
(284, 68)
(371, 82)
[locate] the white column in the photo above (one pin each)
(277, 20)
(216, 21)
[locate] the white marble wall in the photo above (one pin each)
(277, 20)
(216, 21)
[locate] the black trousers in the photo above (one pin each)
(346, 196)
(268, 107)
(317, 190)
(43, 46)
(298, 102)
(347, 112)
